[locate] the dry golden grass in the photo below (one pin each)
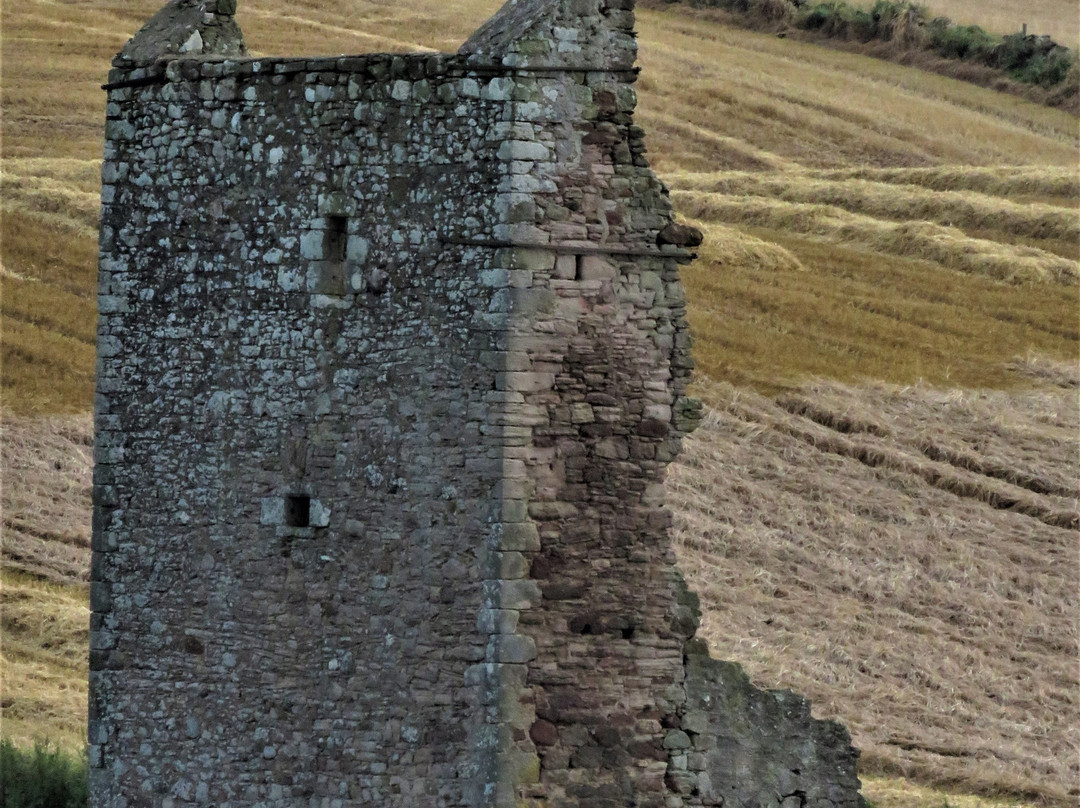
(892, 792)
(938, 625)
(889, 201)
(824, 109)
(43, 661)
(1062, 186)
(45, 465)
(48, 304)
(945, 245)
(46, 468)
(851, 314)
(901, 179)
(715, 100)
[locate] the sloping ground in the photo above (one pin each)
(907, 557)
(904, 544)
(46, 473)
(897, 198)
(43, 659)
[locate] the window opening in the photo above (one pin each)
(298, 510)
(336, 239)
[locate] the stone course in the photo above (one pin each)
(393, 356)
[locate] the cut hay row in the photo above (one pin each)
(730, 150)
(82, 174)
(1055, 511)
(1032, 431)
(49, 558)
(51, 461)
(947, 246)
(938, 628)
(29, 302)
(1058, 374)
(852, 314)
(54, 201)
(51, 248)
(52, 373)
(963, 209)
(333, 26)
(46, 466)
(938, 446)
(730, 246)
(1005, 181)
(74, 227)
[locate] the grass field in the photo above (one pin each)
(1058, 18)
(866, 223)
(882, 550)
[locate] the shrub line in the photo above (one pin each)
(908, 27)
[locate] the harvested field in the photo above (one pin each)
(847, 543)
(945, 245)
(43, 660)
(904, 556)
(963, 209)
(894, 552)
(1001, 181)
(46, 466)
(844, 166)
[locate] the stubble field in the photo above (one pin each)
(899, 542)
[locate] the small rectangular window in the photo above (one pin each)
(298, 510)
(336, 239)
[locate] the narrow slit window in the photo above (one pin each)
(337, 239)
(298, 510)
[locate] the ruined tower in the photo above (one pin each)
(392, 359)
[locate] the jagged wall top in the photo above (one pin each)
(185, 27)
(561, 34)
(582, 34)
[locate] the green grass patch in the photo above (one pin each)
(42, 777)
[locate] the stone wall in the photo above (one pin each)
(392, 359)
(283, 316)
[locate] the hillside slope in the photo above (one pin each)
(864, 221)
(901, 555)
(906, 556)
(759, 138)
(717, 103)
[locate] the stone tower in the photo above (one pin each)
(392, 359)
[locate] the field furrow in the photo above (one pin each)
(944, 244)
(818, 568)
(965, 210)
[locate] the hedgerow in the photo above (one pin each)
(1034, 60)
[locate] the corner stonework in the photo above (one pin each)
(393, 358)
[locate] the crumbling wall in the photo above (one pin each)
(745, 746)
(617, 701)
(393, 358)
